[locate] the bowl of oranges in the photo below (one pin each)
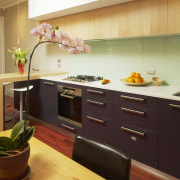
(135, 79)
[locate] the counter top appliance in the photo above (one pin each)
(83, 78)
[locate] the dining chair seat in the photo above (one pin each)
(104, 160)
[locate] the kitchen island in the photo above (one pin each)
(48, 164)
(13, 77)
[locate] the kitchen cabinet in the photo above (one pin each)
(169, 136)
(97, 113)
(135, 127)
(34, 97)
(49, 101)
(148, 17)
(77, 25)
(173, 16)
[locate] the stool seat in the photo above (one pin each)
(21, 90)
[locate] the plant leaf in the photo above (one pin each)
(17, 130)
(6, 143)
(18, 143)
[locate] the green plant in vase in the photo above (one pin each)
(20, 58)
(17, 143)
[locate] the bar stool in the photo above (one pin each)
(21, 90)
(6, 118)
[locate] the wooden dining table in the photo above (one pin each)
(48, 164)
(13, 77)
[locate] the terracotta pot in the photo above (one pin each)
(15, 167)
(20, 67)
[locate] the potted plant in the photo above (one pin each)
(15, 151)
(15, 148)
(20, 58)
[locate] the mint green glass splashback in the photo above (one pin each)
(117, 58)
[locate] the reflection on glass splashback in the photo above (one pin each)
(122, 56)
(116, 59)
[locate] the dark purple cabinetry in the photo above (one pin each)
(97, 108)
(49, 101)
(135, 127)
(169, 136)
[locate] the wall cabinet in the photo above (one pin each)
(169, 136)
(132, 19)
(173, 16)
(135, 127)
(97, 114)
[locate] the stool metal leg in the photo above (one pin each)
(21, 105)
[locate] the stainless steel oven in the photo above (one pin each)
(70, 105)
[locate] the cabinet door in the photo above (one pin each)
(97, 114)
(173, 16)
(169, 137)
(140, 144)
(135, 127)
(49, 101)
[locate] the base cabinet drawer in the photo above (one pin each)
(138, 143)
(144, 118)
(69, 127)
(97, 129)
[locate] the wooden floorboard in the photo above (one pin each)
(63, 142)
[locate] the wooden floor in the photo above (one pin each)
(63, 142)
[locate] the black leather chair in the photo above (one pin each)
(104, 160)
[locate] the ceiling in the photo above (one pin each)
(9, 3)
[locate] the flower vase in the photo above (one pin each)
(20, 67)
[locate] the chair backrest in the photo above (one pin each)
(102, 159)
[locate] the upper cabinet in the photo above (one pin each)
(136, 18)
(131, 19)
(55, 8)
(173, 16)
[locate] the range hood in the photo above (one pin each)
(55, 8)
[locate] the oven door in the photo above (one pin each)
(70, 109)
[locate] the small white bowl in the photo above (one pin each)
(157, 81)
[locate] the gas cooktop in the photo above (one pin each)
(83, 78)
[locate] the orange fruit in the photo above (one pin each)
(142, 80)
(137, 80)
(131, 80)
(104, 81)
(127, 79)
(137, 75)
(133, 74)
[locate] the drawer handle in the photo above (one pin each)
(133, 111)
(133, 131)
(67, 96)
(95, 119)
(95, 102)
(68, 127)
(96, 92)
(132, 98)
(174, 106)
(49, 83)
